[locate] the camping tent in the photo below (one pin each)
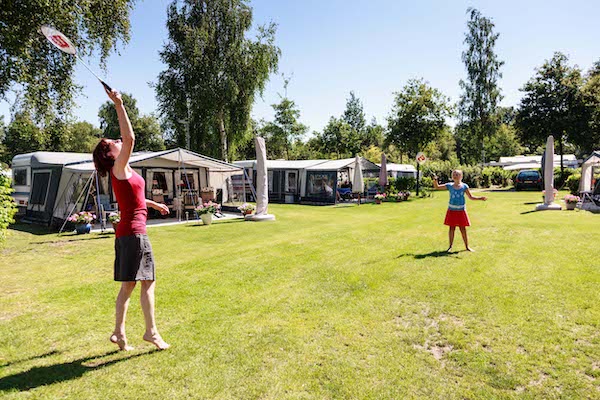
(176, 177)
(284, 177)
(322, 180)
(589, 189)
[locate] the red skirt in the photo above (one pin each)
(457, 218)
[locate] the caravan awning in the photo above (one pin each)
(585, 183)
(336, 165)
(167, 159)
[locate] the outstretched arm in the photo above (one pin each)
(436, 185)
(468, 192)
(164, 210)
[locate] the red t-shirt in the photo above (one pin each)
(131, 197)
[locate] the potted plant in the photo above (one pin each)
(206, 211)
(114, 218)
(83, 221)
(571, 201)
(246, 209)
(379, 197)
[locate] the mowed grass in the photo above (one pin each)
(325, 303)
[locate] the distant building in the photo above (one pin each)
(533, 162)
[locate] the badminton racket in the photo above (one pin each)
(64, 44)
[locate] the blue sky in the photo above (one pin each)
(331, 47)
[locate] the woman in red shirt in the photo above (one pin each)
(133, 253)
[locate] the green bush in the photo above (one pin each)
(8, 208)
(403, 183)
(573, 183)
(426, 182)
(560, 180)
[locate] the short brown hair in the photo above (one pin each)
(102, 161)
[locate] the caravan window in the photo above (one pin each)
(39, 189)
(290, 184)
(188, 179)
(161, 181)
(20, 177)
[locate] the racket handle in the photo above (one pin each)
(106, 85)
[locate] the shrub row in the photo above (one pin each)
(475, 176)
(8, 208)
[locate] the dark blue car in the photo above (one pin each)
(529, 179)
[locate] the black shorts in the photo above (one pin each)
(133, 259)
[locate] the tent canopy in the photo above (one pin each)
(167, 159)
(280, 164)
(336, 165)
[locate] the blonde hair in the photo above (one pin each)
(458, 171)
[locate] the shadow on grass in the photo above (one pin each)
(80, 239)
(32, 228)
(528, 212)
(50, 353)
(434, 254)
(50, 374)
(199, 223)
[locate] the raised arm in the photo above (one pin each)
(127, 135)
(436, 185)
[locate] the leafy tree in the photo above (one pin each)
(30, 63)
(23, 136)
(443, 147)
(481, 94)
(57, 135)
(374, 135)
(3, 149)
(339, 139)
(503, 143)
(148, 135)
(354, 114)
(589, 139)
(418, 116)
(213, 72)
(373, 154)
(552, 105)
(83, 136)
(285, 130)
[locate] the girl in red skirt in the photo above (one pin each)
(457, 213)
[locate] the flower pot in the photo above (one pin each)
(115, 224)
(377, 201)
(206, 219)
(244, 213)
(570, 206)
(83, 228)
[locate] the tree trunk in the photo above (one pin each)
(223, 136)
(560, 146)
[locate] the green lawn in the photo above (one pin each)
(325, 303)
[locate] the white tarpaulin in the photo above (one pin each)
(358, 185)
(585, 183)
(262, 191)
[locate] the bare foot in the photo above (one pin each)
(121, 341)
(157, 341)
(470, 249)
